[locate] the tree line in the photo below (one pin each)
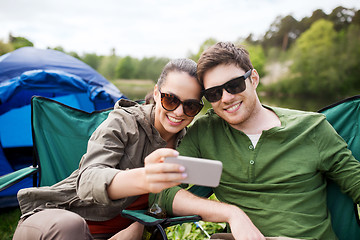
(325, 57)
(324, 51)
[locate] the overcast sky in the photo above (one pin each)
(144, 28)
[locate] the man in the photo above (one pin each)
(275, 160)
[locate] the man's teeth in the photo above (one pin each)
(233, 107)
(174, 119)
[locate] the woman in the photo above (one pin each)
(112, 175)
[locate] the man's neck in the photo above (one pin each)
(260, 120)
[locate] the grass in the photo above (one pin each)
(134, 89)
(9, 219)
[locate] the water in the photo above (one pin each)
(305, 104)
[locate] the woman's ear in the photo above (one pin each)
(156, 92)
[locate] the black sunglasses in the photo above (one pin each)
(190, 107)
(233, 86)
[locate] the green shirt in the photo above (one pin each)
(280, 183)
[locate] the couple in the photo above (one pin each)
(274, 161)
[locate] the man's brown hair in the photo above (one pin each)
(223, 53)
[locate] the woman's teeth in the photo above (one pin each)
(174, 119)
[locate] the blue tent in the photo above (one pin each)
(28, 71)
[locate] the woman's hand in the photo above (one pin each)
(160, 175)
(154, 177)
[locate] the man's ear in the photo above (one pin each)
(255, 79)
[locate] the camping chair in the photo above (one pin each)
(60, 135)
(344, 116)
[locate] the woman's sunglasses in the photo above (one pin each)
(234, 86)
(190, 107)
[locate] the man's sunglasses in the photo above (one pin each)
(190, 107)
(234, 86)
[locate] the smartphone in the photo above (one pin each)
(200, 171)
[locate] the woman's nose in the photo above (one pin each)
(179, 111)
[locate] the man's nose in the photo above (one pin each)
(226, 97)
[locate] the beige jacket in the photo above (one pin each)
(121, 142)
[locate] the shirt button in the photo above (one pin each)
(252, 162)
(251, 147)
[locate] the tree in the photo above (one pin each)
(108, 65)
(356, 18)
(282, 33)
(19, 42)
(349, 56)
(250, 39)
(257, 55)
(206, 44)
(92, 60)
(306, 22)
(150, 68)
(74, 54)
(5, 48)
(58, 48)
(341, 17)
(125, 68)
(314, 60)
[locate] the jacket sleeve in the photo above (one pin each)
(106, 148)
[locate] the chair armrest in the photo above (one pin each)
(12, 178)
(141, 217)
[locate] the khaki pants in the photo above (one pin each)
(54, 224)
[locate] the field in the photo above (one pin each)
(134, 89)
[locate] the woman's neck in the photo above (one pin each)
(171, 143)
(170, 138)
